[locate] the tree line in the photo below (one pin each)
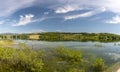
(67, 36)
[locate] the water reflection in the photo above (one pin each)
(114, 56)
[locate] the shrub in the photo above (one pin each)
(69, 55)
(20, 60)
(98, 65)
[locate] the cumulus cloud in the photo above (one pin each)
(24, 20)
(8, 7)
(87, 14)
(114, 20)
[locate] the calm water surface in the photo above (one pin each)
(110, 52)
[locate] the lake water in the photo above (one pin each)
(110, 52)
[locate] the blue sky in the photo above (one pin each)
(25, 16)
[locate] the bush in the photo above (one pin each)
(19, 60)
(69, 55)
(98, 65)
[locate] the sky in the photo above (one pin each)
(26, 16)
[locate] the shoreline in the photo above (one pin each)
(114, 68)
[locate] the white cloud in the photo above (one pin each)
(64, 6)
(2, 22)
(87, 14)
(24, 20)
(60, 6)
(112, 5)
(8, 7)
(114, 20)
(46, 13)
(67, 8)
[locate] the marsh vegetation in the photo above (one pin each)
(58, 59)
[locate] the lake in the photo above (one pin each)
(110, 52)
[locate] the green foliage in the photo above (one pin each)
(98, 65)
(76, 70)
(19, 60)
(69, 55)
